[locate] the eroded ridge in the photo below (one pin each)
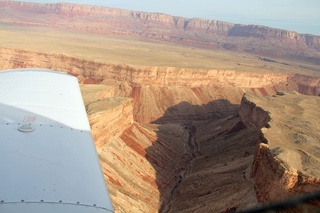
(195, 153)
(287, 161)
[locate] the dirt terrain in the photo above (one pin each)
(172, 126)
(199, 32)
(287, 159)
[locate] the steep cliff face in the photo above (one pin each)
(106, 115)
(170, 139)
(300, 40)
(178, 165)
(142, 164)
(94, 72)
(175, 166)
(140, 161)
(286, 163)
(157, 91)
(161, 92)
(165, 27)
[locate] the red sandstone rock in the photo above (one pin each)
(286, 163)
(253, 38)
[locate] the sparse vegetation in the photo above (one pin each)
(137, 52)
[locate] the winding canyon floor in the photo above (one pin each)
(188, 166)
(176, 148)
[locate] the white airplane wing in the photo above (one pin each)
(48, 162)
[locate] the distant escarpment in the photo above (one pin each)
(209, 33)
(287, 160)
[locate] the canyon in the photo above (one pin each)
(183, 140)
(187, 139)
(287, 159)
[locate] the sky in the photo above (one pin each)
(302, 16)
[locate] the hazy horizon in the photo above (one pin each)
(294, 15)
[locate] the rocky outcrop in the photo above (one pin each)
(108, 116)
(140, 161)
(177, 165)
(209, 33)
(159, 92)
(156, 76)
(286, 163)
(270, 33)
(170, 139)
(173, 166)
(95, 72)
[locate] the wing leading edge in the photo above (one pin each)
(48, 160)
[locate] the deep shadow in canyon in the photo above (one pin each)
(201, 154)
(184, 112)
(208, 169)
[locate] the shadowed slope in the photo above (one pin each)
(216, 161)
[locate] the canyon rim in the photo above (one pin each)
(183, 138)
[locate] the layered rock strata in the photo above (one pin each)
(180, 165)
(170, 144)
(109, 116)
(175, 166)
(209, 33)
(287, 161)
(165, 92)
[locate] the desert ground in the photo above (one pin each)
(186, 128)
(140, 52)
